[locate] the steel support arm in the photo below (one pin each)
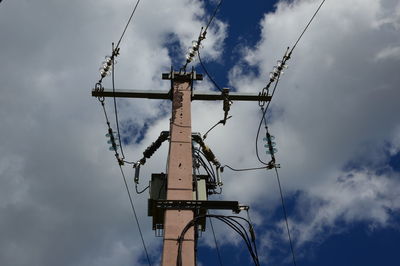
(164, 95)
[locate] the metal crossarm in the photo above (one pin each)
(166, 95)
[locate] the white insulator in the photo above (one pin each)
(195, 46)
(108, 59)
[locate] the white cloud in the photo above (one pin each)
(389, 53)
(334, 107)
(62, 197)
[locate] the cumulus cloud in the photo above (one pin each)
(335, 111)
(62, 199)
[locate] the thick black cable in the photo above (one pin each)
(206, 168)
(211, 168)
(285, 214)
(245, 169)
(215, 241)
(208, 74)
(264, 119)
(127, 24)
(231, 222)
(115, 105)
(135, 215)
(141, 191)
(305, 29)
(286, 57)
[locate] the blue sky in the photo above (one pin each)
(334, 116)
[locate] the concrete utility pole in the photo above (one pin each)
(180, 204)
(180, 174)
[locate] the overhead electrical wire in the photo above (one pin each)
(233, 223)
(208, 74)
(285, 215)
(286, 57)
(215, 241)
(135, 215)
(305, 29)
(275, 78)
(213, 15)
(244, 169)
(115, 105)
(196, 46)
(127, 24)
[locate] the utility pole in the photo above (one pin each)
(180, 180)
(179, 206)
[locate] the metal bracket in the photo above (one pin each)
(182, 75)
(196, 204)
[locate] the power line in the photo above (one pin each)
(135, 215)
(215, 241)
(308, 24)
(285, 214)
(127, 24)
(245, 169)
(264, 111)
(208, 75)
(196, 44)
(233, 223)
(285, 58)
(212, 17)
(115, 103)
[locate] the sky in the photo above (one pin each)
(334, 117)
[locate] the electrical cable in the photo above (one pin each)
(208, 75)
(135, 215)
(284, 59)
(219, 122)
(244, 169)
(233, 224)
(215, 241)
(115, 104)
(285, 214)
(264, 119)
(305, 29)
(201, 37)
(127, 24)
(143, 190)
(212, 17)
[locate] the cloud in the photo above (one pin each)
(389, 53)
(63, 199)
(334, 113)
(335, 107)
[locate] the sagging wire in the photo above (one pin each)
(274, 76)
(223, 121)
(107, 69)
(210, 157)
(114, 147)
(206, 71)
(276, 73)
(110, 132)
(215, 241)
(286, 217)
(233, 223)
(135, 215)
(243, 169)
